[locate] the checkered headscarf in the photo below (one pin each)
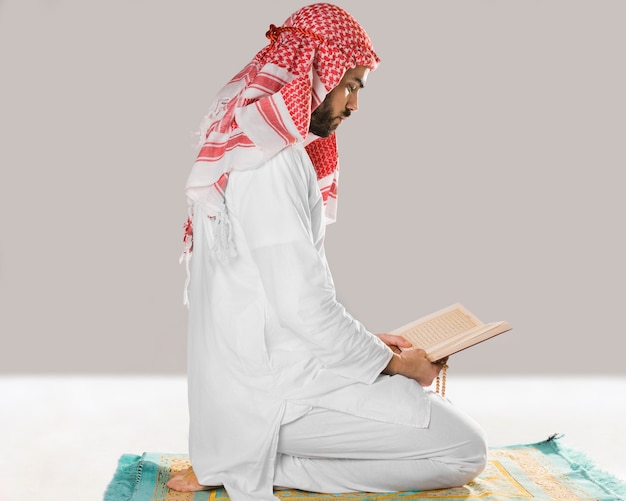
(268, 104)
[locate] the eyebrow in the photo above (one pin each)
(359, 81)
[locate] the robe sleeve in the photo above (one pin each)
(275, 208)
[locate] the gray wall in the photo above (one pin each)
(485, 166)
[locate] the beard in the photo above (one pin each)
(323, 122)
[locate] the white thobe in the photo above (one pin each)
(268, 339)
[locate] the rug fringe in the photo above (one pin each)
(124, 481)
(583, 464)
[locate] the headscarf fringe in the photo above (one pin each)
(220, 241)
(186, 254)
(219, 106)
(223, 246)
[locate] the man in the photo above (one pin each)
(286, 389)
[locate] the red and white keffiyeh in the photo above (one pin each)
(267, 105)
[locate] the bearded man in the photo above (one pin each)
(286, 388)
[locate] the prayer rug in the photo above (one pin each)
(543, 471)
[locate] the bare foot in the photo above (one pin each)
(186, 481)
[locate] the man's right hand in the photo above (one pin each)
(413, 364)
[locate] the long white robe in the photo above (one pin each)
(268, 339)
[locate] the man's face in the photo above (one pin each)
(339, 102)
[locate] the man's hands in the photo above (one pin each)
(410, 363)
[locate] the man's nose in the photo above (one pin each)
(353, 102)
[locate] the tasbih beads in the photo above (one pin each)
(440, 385)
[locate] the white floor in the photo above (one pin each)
(62, 436)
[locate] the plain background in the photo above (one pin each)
(485, 166)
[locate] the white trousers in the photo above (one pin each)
(332, 452)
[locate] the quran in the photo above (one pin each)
(448, 331)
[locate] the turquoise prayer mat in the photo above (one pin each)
(542, 471)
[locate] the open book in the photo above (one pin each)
(449, 331)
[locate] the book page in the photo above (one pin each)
(467, 339)
(438, 327)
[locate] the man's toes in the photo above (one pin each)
(177, 482)
(185, 481)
